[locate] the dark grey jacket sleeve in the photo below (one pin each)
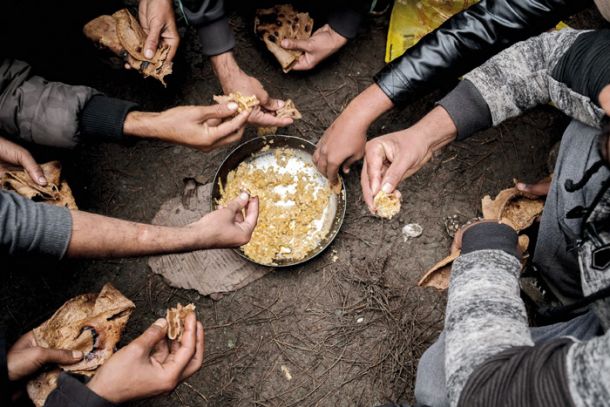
(347, 16)
(212, 26)
(71, 392)
(52, 113)
(30, 227)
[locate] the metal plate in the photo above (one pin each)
(249, 149)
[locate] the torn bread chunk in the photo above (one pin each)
(90, 323)
(272, 25)
(288, 110)
(175, 320)
(122, 34)
(243, 102)
(388, 205)
(56, 192)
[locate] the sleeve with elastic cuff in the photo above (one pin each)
(31, 227)
(103, 117)
(490, 236)
(71, 392)
(467, 108)
(345, 21)
(216, 38)
(208, 17)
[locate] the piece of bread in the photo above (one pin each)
(280, 22)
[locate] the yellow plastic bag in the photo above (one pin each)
(413, 19)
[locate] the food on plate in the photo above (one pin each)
(122, 34)
(243, 102)
(56, 192)
(91, 323)
(293, 204)
(280, 22)
(387, 205)
(175, 320)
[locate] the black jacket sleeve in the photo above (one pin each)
(468, 39)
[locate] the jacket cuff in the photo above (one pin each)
(71, 392)
(216, 38)
(467, 108)
(345, 21)
(490, 236)
(5, 398)
(103, 117)
(394, 84)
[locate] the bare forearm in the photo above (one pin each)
(225, 66)
(96, 236)
(369, 105)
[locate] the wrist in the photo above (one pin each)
(337, 39)
(370, 105)
(142, 124)
(103, 391)
(225, 66)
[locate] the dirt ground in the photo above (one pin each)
(350, 333)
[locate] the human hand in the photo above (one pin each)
(26, 358)
(150, 366)
(202, 127)
(159, 23)
(323, 43)
(14, 154)
(539, 189)
(227, 226)
(389, 159)
(343, 142)
(233, 79)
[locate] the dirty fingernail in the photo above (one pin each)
(149, 53)
(161, 323)
(42, 180)
(232, 106)
(244, 196)
(77, 354)
(521, 185)
(387, 188)
(280, 103)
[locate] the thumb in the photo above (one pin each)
(60, 356)
(239, 203)
(220, 111)
(32, 168)
(538, 189)
(152, 336)
(393, 176)
(298, 45)
(152, 40)
(349, 163)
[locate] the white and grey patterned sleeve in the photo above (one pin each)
(518, 79)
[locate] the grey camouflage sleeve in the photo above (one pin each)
(516, 80)
(38, 111)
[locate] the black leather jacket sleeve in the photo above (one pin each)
(468, 39)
